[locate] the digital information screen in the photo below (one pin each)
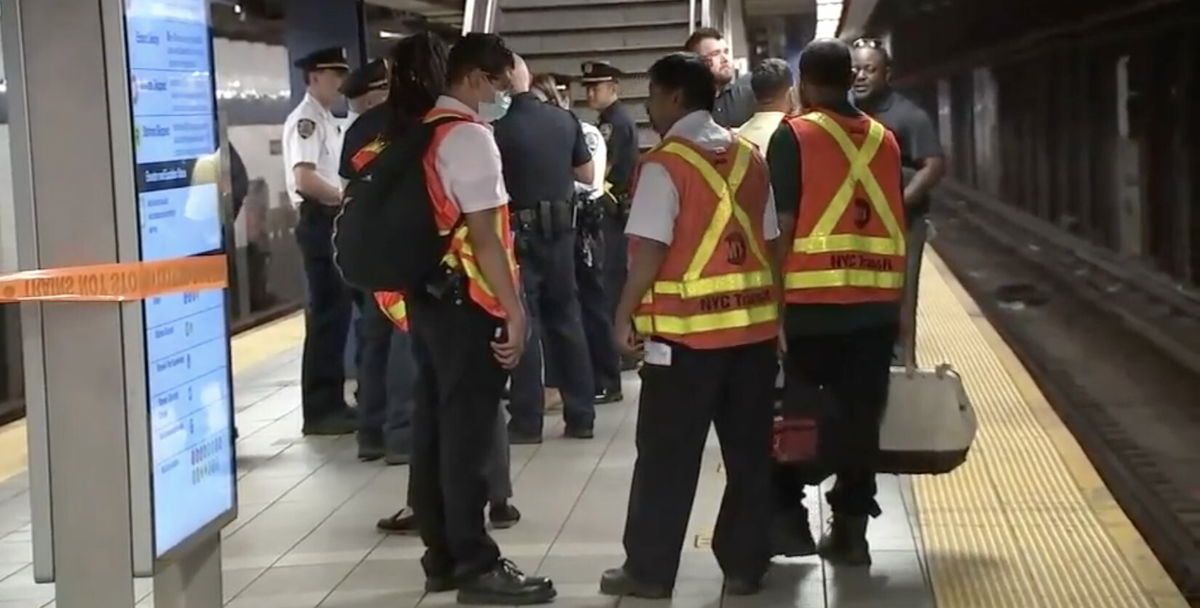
(187, 338)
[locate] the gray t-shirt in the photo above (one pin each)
(735, 103)
(914, 132)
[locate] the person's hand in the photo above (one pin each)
(625, 338)
(508, 352)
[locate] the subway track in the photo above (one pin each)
(1115, 349)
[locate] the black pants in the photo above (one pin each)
(326, 318)
(457, 401)
(853, 369)
(552, 302)
(615, 261)
(598, 317)
(732, 389)
(374, 334)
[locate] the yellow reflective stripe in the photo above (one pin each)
(878, 245)
(860, 172)
(725, 283)
(397, 311)
(725, 210)
(694, 324)
(816, 279)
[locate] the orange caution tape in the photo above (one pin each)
(115, 282)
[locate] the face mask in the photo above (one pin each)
(491, 111)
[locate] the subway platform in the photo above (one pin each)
(1025, 523)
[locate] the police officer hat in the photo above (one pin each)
(333, 58)
(595, 72)
(369, 77)
(562, 82)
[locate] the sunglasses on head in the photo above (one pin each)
(868, 43)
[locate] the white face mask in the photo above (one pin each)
(491, 111)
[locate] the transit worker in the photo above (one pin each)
(735, 98)
(836, 177)
(701, 292)
(589, 254)
(418, 76)
(384, 423)
(602, 82)
(772, 83)
(312, 141)
(921, 159)
(468, 332)
(543, 152)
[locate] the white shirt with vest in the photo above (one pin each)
(311, 135)
(468, 162)
(655, 204)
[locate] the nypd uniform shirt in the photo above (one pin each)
(620, 134)
(595, 144)
(311, 135)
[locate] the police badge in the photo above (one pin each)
(305, 128)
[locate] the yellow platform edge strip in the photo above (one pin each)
(1027, 521)
(248, 349)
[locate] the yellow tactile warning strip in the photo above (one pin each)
(248, 349)
(1026, 522)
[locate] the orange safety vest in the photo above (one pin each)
(448, 217)
(716, 288)
(849, 241)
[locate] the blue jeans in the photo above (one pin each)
(386, 374)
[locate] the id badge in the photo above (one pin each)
(657, 353)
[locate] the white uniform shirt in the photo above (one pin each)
(311, 135)
(595, 144)
(655, 204)
(468, 163)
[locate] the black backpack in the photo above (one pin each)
(385, 237)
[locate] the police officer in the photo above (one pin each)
(601, 80)
(312, 141)
(842, 252)
(698, 373)
(365, 89)
(544, 152)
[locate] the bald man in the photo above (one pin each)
(544, 153)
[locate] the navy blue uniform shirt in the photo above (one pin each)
(540, 145)
(620, 135)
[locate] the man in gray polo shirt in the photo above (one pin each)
(921, 158)
(735, 102)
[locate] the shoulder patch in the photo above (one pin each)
(306, 127)
(606, 130)
(592, 140)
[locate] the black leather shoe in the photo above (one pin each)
(580, 432)
(506, 585)
(791, 535)
(619, 582)
(743, 586)
(515, 438)
(371, 447)
(609, 395)
(402, 523)
(334, 425)
(846, 543)
(503, 516)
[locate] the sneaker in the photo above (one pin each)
(396, 458)
(620, 583)
(402, 523)
(518, 438)
(576, 432)
(506, 585)
(846, 543)
(609, 395)
(504, 516)
(791, 535)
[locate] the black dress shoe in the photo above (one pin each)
(791, 535)
(371, 447)
(503, 516)
(575, 432)
(515, 438)
(506, 585)
(846, 543)
(618, 582)
(334, 425)
(402, 523)
(743, 586)
(609, 395)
